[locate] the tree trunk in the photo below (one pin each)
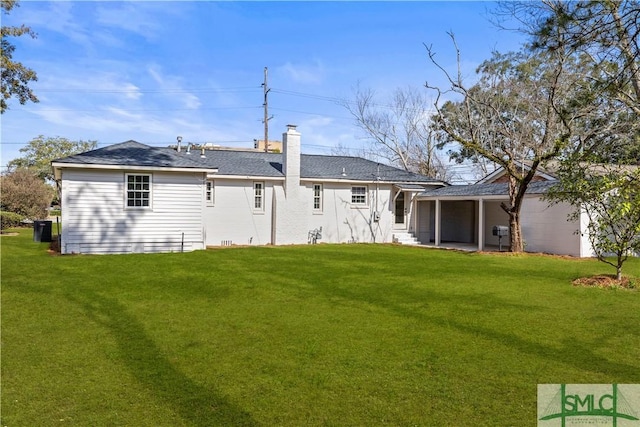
(515, 232)
(619, 267)
(513, 210)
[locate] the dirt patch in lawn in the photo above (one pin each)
(606, 281)
(54, 246)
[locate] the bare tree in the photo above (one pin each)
(515, 115)
(400, 130)
(345, 150)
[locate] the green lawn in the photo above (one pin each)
(330, 335)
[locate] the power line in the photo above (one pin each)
(153, 143)
(238, 89)
(137, 90)
(142, 109)
(312, 114)
(334, 100)
(310, 95)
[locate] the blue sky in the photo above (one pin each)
(150, 71)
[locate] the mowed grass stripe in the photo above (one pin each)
(302, 335)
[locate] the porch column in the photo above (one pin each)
(437, 222)
(481, 224)
(413, 213)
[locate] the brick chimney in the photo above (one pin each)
(291, 160)
(290, 223)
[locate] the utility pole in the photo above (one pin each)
(266, 112)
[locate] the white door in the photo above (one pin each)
(400, 211)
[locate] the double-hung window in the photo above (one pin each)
(138, 194)
(359, 195)
(209, 194)
(258, 196)
(317, 198)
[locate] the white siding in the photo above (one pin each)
(425, 223)
(494, 215)
(342, 222)
(586, 249)
(233, 219)
(288, 219)
(95, 219)
(546, 228)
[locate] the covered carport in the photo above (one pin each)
(464, 215)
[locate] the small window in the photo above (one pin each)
(359, 196)
(258, 196)
(317, 197)
(138, 193)
(209, 194)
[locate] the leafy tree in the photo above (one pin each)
(41, 151)
(15, 76)
(514, 115)
(606, 36)
(610, 197)
(399, 130)
(25, 193)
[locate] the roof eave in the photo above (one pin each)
(489, 197)
(58, 166)
(252, 177)
(370, 181)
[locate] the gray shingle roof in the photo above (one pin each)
(355, 168)
(132, 153)
(476, 190)
(246, 163)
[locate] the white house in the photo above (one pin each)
(131, 197)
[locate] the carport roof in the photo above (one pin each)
(409, 187)
(480, 190)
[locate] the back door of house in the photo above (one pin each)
(400, 210)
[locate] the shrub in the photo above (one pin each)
(10, 220)
(24, 193)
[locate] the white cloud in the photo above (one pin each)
(304, 73)
(321, 135)
(95, 24)
(65, 83)
(137, 18)
(59, 17)
(110, 121)
(173, 87)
